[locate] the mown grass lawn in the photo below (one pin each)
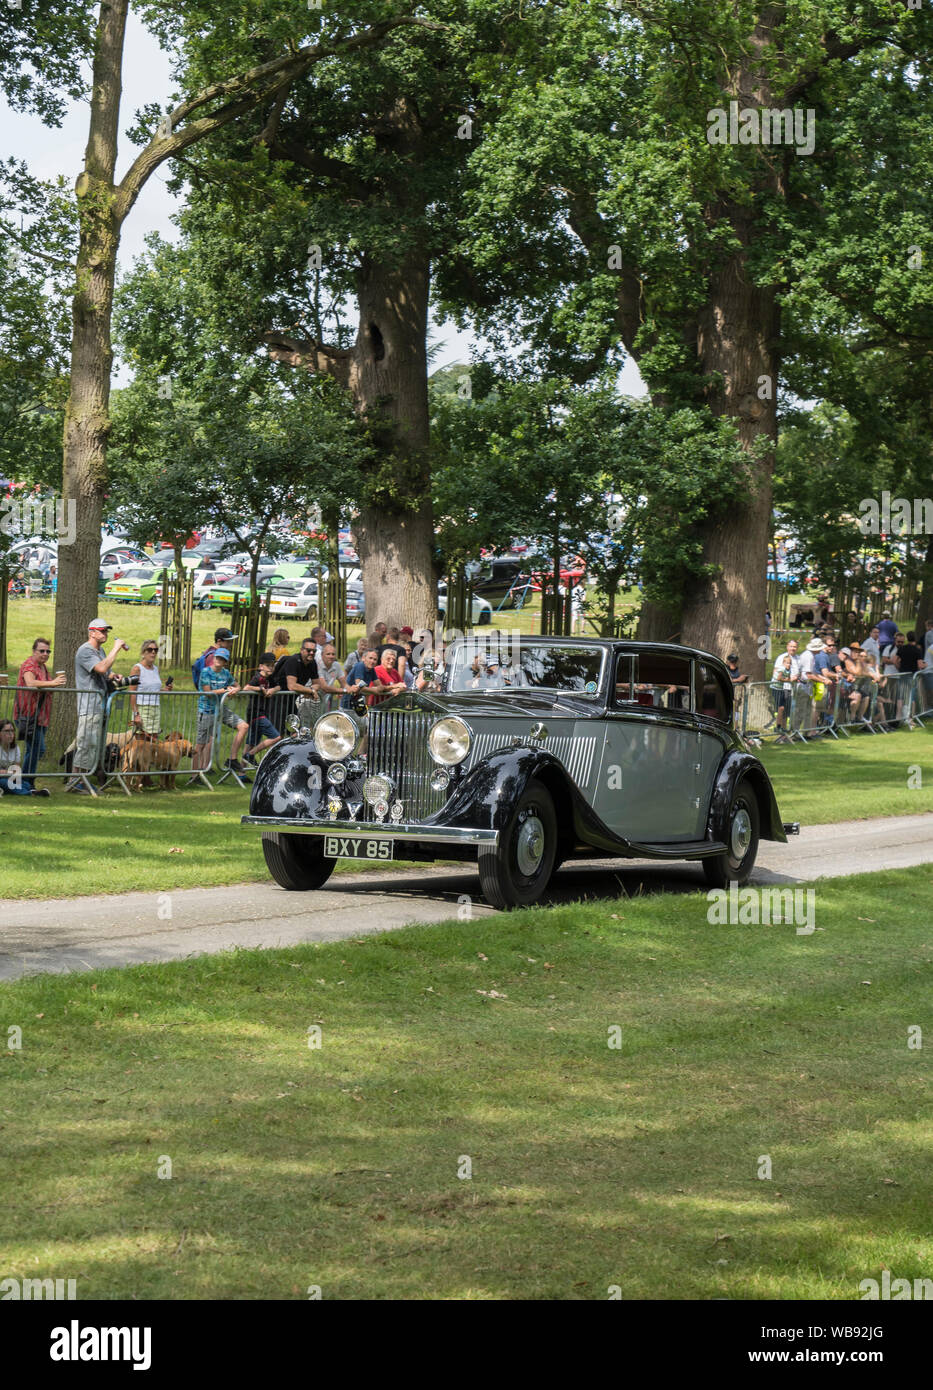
(855, 778)
(65, 846)
(483, 1046)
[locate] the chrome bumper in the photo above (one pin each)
(427, 834)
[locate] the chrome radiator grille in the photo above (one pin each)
(398, 747)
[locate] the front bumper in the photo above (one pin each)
(425, 834)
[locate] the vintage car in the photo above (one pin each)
(535, 751)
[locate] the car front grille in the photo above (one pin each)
(398, 748)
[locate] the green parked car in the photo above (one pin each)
(135, 586)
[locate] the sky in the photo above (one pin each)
(146, 78)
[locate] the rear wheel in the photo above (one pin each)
(517, 872)
(742, 827)
(297, 861)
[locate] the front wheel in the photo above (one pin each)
(518, 870)
(297, 861)
(742, 833)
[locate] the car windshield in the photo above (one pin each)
(487, 665)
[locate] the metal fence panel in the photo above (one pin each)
(155, 739)
(59, 732)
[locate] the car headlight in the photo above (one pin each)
(449, 742)
(336, 735)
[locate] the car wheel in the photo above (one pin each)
(297, 861)
(517, 872)
(204, 603)
(742, 827)
(153, 600)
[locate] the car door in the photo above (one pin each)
(649, 786)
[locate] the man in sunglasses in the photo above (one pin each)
(32, 712)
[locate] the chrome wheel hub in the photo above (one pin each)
(529, 850)
(741, 834)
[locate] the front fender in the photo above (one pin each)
(734, 767)
(488, 794)
(290, 782)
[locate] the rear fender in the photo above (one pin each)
(733, 768)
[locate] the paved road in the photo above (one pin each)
(85, 933)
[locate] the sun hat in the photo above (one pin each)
(816, 645)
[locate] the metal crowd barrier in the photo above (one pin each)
(154, 737)
(905, 700)
(60, 732)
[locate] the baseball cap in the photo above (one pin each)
(222, 651)
(101, 624)
(225, 633)
(733, 656)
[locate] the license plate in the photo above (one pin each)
(355, 847)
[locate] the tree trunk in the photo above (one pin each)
(388, 378)
(737, 347)
(87, 415)
(925, 596)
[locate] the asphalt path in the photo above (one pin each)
(67, 934)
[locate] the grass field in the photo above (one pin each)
(482, 1048)
(63, 846)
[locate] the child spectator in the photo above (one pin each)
(214, 680)
(11, 763)
(262, 733)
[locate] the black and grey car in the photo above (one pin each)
(535, 751)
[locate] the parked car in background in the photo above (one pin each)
(135, 585)
(536, 753)
(480, 612)
(295, 598)
(356, 601)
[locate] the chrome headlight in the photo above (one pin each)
(449, 741)
(336, 735)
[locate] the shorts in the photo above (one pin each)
(208, 718)
(261, 728)
(149, 717)
(781, 698)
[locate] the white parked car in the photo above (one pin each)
(481, 611)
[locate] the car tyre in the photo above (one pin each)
(742, 835)
(297, 862)
(518, 870)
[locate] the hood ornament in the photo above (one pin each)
(353, 809)
(397, 812)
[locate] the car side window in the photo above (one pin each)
(711, 698)
(624, 684)
(663, 682)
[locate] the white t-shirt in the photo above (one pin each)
(806, 660)
(870, 645)
(10, 757)
(889, 667)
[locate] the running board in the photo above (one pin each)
(687, 849)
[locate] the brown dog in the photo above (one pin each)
(138, 752)
(167, 754)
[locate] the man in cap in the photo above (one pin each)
(91, 672)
